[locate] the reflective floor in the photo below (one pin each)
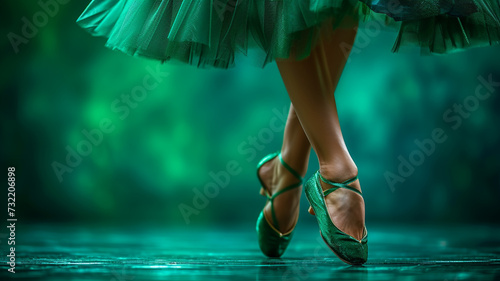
(48, 252)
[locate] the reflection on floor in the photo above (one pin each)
(48, 252)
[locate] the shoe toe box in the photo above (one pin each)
(271, 243)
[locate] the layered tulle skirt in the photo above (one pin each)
(211, 33)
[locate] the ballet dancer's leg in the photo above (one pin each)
(295, 152)
(311, 84)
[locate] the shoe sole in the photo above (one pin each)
(349, 263)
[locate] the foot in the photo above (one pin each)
(345, 207)
(275, 178)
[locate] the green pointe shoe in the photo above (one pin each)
(347, 248)
(273, 243)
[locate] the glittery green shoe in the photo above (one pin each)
(272, 242)
(346, 247)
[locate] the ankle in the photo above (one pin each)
(338, 172)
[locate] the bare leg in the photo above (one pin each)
(295, 152)
(311, 84)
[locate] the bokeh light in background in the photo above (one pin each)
(195, 121)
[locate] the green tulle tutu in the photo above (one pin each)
(210, 33)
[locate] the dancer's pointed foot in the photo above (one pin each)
(277, 220)
(339, 209)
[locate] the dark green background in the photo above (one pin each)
(64, 81)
